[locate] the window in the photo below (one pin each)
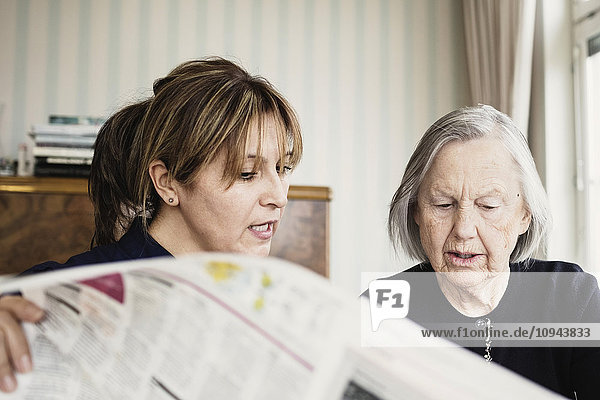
(587, 115)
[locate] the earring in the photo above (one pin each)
(170, 199)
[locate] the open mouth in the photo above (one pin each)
(464, 256)
(460, 259)
(263, 231)
(262, 228)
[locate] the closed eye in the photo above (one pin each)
(488, 207)
(444, 206)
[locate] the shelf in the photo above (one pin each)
(32, 184)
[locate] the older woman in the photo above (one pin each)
(472, 208)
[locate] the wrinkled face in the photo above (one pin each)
(470, 210)
(244, 217)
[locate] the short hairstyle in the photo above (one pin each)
(465, 124)
(202, 107)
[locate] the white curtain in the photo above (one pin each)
(499, 43)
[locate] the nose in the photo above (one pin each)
(465, 223)
(275, 191)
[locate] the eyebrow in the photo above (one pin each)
(289, 153)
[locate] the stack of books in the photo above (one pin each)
(64, 146)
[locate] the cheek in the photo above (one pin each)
(215, 210)
(433, 230)
(503, 236)
(238, 207)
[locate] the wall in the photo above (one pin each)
(366, 76)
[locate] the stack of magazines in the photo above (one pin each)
(64, 146)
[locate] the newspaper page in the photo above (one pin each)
(203, 327)
(432, 369)
(218, 326)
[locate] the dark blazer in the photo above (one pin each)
(133, 245)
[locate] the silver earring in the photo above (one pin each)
(170, 199)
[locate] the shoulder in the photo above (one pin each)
(562, 286)
(534, 265)
(422, 267)
(404, 275)
(135, 244)
(560, 273)
(94, 256)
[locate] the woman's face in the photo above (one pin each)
(244, 217)
(470, 210)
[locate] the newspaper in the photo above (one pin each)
(219, 326)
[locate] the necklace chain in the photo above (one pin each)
(487, 323)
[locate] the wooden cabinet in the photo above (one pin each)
(52, 219)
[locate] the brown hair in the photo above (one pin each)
(200, 108)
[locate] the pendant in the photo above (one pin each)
(485, 322)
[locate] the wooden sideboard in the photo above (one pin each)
(52, 219)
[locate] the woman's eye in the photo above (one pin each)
(286, 169)
(488, 207)
(444, 206)
(247, 176)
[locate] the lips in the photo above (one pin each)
(463, 259)
(263, 231)
(462, 255)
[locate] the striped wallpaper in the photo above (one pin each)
(366, 76)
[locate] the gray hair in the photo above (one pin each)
(465, 124)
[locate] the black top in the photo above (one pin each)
(544, 298)
(133, 245)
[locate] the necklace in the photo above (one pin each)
(487, 323)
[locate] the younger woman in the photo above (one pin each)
(202, 165)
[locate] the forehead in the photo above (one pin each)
(267, 138)
(484, 164)
(264, 128)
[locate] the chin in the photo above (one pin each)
(259, 251)
(465, 279)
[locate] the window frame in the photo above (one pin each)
(586, 25)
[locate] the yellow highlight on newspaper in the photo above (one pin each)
(221, 270)
(388, 299)
(266, 280)
(259, 303)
